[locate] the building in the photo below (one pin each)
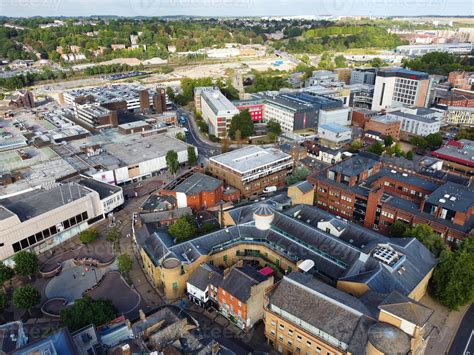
(203, 285)
(397, 87)
(241, 294)
(343, 74)
(345, 254)
(292, 114)
(252, 168)
(459, 98)
(419, 50)
(384, 125)
(322, 77)
(361, 95)
(457, 155)
(94, 116)
(134, 127)
(301, 193)
(60, 342)
(197, 96)
(217, 112)
(362, 190)
(456, 115)
(38, 220)
(111, 196)
(461, 79)
(360, 116)
(333, 135)
(415, 124)
(254, 106)
(22, 99)
(363, 76)
(199, 191)
(341, 116)
(328, 110)
(13, 336)
(304, 315)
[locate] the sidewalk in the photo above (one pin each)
(446, 322)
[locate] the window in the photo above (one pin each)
(290, 342)
(272, 332)
(225, 258)
(318, 349)
(280, 338)
(239, 303)
(175, 285)
(290, 332)
(281, 327)
(273, 323)
(298, 337)
(308, 343)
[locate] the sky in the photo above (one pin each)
(27, 8)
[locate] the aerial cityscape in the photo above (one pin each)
(236, 177)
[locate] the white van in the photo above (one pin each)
(269, 189)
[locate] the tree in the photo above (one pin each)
(3, 301)
(88, 236)
(340, 61)
(300, 173)
(192, 159)
(453, 279)
(6, 273)
(181, 136)
(419, 142)
(113, 235)
(398, 229)
(409, 155)
(274, 127)
(26, 263)
(388, 141)
(87, 311)
(225, 143)
(376, 148)
(242, 122)
(125, 263)
(172, 161)
(183, 228)
(26, 297)
(434, 140)
(425, 234)
(355, 146)
(170, 93)
(376, 62)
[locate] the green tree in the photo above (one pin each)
(26, 263)
(434, 140)
(453, 278)
(376, 148)
(419, 142)
(6, 273)
(398, 229)
(425, 234)
(181, 136)
(87, 311)
(340, 61)
(172, 161)
(3, 301)
(242, 122)
(376, 62)
(409, 155)
(355, 146)
(183, 228)
(274, 127)
(170, 93)
(26, 297)
(388, 141)
(192, 159)
(300, 173)
(113, 235)
(88, 236)
(125, 263)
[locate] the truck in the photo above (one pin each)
(269, 189)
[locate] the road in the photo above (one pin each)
(463, 343)
(205, 149)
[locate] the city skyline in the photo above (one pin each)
(233, 8)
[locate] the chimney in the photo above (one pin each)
(142, 314)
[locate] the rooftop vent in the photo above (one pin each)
(452, 198)
(405, 174)
(386, 254)
(446, 196)
(442, 200)
(393, 171)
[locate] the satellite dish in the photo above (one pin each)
(306, 265)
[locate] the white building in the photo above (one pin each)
(419, 50)
(416, 124)
(341, 116)
(111, 196)
(217, 112)
(333, 135)
(203, 284)
(397, 87)
(463, 116)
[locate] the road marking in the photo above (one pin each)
(468, 342)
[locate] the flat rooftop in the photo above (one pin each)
(335, 128)
(217, 101)
(418, 118)
(250, 158)
(37, 202)
(104, 190)
(452, 196)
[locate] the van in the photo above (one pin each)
(269, 189)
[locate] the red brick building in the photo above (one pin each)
(385, 125)
(460, 79)
(200, 191)
(360, 189)
(360, 116)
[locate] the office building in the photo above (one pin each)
(197, 96)
(322, 77)
(334, 136)
(40, 219)
(94, 116)
(217, 112)
(456, 115)
(384, 125)
(360, 95)
(364, 190)
(255, 107)
(416, 125)
(458, 156)
(252, 168)
(363, 76)
(395, 87)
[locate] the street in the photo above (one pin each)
(463, 343)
